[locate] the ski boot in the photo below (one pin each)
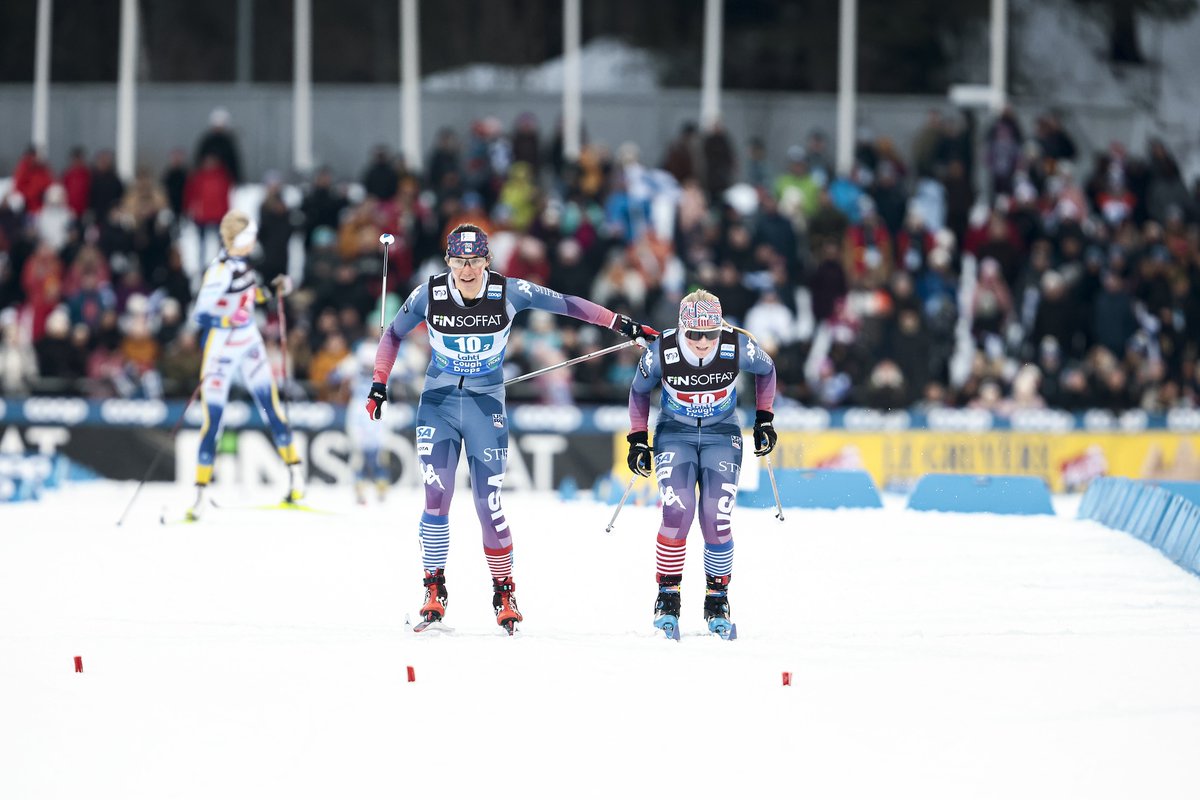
(435, 595)
(295, 491)
(716, 607)
(666, 607)
(505, 605)
(435, 602)
(360, 492)
(194, 513)
(381, 489)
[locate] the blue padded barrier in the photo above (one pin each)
(1161, 513)
(1174, 507)
(1189, 490)
(995, 494)
(1091, 501)
(814, 488)
(1191, 546)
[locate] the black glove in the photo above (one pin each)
(764, 433)
(639, 458)
(375, 400)
(633, 330)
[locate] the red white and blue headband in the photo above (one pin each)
(701, 315)
(467, 244)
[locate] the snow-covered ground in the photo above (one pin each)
(262, 654)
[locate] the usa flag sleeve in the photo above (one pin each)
(755, 360)
(410, 315)
(525, 295)
(645, 380)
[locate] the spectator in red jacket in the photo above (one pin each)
(77, 180)
(206, 198)
(31, 178)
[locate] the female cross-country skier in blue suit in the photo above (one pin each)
(698, 445)
(469, 312)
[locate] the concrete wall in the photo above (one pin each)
(350, 119)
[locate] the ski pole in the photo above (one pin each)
(775, 489)
(570, 361)
(157, 456)
(283, 353)
(620, 505)
(386, 240)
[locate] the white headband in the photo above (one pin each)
(247, 237)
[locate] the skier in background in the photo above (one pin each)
(469, 312)
(232, 345)
(698, 445)
(358, 370)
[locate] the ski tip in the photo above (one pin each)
(732, 632)
(674, 633)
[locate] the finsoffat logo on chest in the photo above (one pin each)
(465, 320)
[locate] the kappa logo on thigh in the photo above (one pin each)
(431, 476)
(669, 498)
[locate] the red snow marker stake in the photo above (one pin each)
(412, 675)
(787, 679)
(79, 663)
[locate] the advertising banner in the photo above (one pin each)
(1066, 461)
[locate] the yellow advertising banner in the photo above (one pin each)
(1066, 461)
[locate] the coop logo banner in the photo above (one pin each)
(64, 410)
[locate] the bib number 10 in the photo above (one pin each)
(469, 344)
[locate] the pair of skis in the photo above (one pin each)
(437, 626)
(721, 628)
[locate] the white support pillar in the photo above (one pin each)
(999, 55)
(847, 96)
(572, 117)
(410, 84)
(127, 91)
(302, 156)
(710, 86)
(41, 77)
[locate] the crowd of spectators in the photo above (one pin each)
(1069, 280)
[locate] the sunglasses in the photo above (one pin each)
(696, 336)
(459, 263)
